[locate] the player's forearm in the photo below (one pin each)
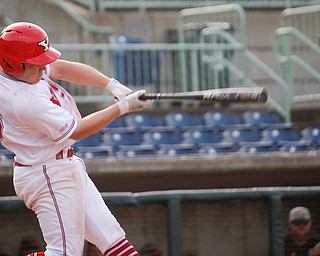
(78, 73)
(94, 122)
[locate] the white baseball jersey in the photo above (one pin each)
(24, 124)
(37, 121)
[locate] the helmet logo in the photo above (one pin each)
(45, 44)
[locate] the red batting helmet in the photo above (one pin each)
(24, 42)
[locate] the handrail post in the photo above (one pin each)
(174, 227)
(275, 226)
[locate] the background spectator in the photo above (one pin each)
(300, 241)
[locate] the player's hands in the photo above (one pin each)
(118, 90)
(132, 103)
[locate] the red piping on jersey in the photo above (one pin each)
(65, 134)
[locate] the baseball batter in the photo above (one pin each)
(39, 122)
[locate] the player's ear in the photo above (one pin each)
(12, 67)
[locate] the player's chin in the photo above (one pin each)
(36, 80)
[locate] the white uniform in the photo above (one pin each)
(37, 121)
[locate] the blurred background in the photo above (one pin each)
(189, 178)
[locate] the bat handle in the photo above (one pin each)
(142, 97)
(150, 96)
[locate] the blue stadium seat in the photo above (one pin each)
(6, 155)
(311, 134)
(213, 149)
(241, 136)
(117, 124)
(296, 147)
(281, 136)
(263, 119)
(202, 136)
(222, 120)
(120, 138)
(1, 146)
(258, 148)
(177, 150)
(92, 141)
(90, 153)
(135, 151)
(143, 121)
(160, 137)
(183, 120)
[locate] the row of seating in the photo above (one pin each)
(144, 135)
(174, 150)
(183, 120)
(185, 149)
(180, 133)
(204, 135)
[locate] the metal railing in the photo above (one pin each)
(105, 5)
(96, 30)
(90, 4)
(272, 197)
(289, 59)
(202, 70)
(211, 53)
(296, 45)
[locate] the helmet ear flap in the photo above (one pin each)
(12, 67)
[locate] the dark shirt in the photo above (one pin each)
(291, 249)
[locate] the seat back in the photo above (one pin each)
(201, 136)
(116, 123)
(256, 148)
(240, 135)
(182, 119)
(143, 121)
(261, 118)
(131, 152)
(222, 119)
(161, 137)
(296, 148)
(311, 134)
(121, 138)
(91, 141)
(280, 135)
(177, 151)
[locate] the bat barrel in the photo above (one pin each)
(235, 95)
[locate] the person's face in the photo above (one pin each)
(301, 229)
(32, 74)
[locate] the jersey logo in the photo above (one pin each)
(54, 98)
(45, 44)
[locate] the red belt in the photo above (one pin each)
(59, 155)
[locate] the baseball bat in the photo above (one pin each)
(236, 95)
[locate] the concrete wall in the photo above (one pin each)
(59, 26)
